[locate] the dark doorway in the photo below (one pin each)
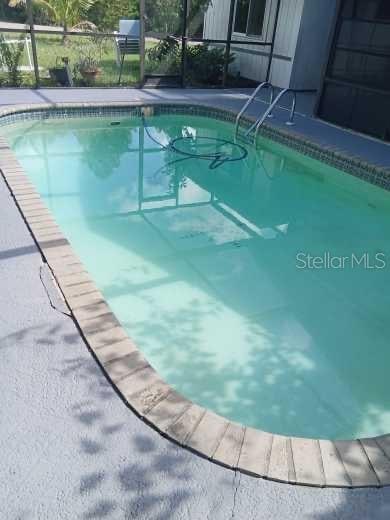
(356, 91)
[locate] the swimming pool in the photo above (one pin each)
(229, 278)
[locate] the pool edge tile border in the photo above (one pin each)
(339, 158)
(310, 462)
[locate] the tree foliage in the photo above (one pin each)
(106, 15)
(9, 14)
(166, 16)
(161, 15)
(65, 13)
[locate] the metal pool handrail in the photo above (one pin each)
(265, 84)
(290, 121)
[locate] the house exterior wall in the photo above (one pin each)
(252, 60)
(311, 54)
(285, 41)
(300, 43)
(216, 20)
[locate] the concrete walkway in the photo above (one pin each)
(71, 449)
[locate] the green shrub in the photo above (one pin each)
(164, 57)
(204, 65)
(10, 55)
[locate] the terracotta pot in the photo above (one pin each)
(90, 75)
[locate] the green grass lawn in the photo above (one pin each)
(51, 47)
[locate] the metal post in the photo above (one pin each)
(121, 65)
(271, 52)
(142, 43)
(184, 42)
(33, 42)
(228, 43)
(141, 144)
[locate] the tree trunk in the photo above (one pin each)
(65, 38)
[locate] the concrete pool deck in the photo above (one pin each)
(17, 258)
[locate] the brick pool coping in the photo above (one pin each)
(313, 462)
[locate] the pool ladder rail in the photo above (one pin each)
(273, 101)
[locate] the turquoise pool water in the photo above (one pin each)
(209, 269)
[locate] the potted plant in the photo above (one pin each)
(89, 68)
(88, 64)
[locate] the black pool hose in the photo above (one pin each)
(216, 159)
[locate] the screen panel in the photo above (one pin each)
(356, 91)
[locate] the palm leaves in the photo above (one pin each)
(67, 13)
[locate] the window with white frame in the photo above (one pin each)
(249, 17)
